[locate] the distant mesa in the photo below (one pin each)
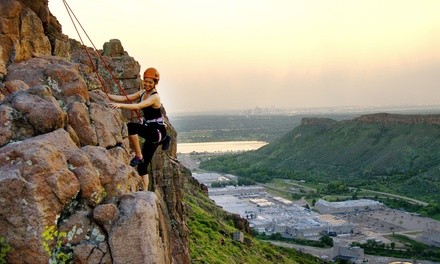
(379, 118)
(389, 119)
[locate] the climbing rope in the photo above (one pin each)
(95, 69)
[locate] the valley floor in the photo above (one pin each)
(376, 225)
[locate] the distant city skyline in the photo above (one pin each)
(229, 55)
(358, 110)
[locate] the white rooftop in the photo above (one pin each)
(350, 203)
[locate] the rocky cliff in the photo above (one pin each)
(66, 189)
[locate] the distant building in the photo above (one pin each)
(246, 191)
(336, 226)
(275, 214)
(208, 178)
(261, 226)
(306, 227)
(261, 202)
(342, 250)
(304, 231)
(351, 206)
(283, 201)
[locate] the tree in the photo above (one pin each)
(392, 245)
(354, 196)
(336, 187)
(245, 181)
(326, 240)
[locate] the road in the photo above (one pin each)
(397, 196)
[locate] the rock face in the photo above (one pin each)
(22, 34)
(66, 189)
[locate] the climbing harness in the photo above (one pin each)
(159, 121)
(94, 65)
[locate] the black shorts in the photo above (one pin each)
(152, 133)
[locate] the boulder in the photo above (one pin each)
(113, 48)
(35, 184)
(61, 76)
(92, 253)
(133, 238)
(105, 215)
(32, 41)
(101, 116)
(31, 112)
(91, 189)
(114, 172)
(13, 86)
(21, 33)
(7, 129)
(79, 120)
(40, 109)
(9, 31)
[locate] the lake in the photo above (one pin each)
(213, 147)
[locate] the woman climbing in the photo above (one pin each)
(152, 128)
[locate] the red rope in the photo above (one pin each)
(70, 12)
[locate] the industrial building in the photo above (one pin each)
(210, 177)
(270, 215)
(341, 250)
(247, 191)
(351, 206)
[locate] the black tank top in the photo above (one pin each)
(150, 112)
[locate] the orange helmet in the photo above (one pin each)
(152, 73)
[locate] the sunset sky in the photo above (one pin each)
(228, 55)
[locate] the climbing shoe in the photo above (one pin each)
(166, 142)
(135, 161)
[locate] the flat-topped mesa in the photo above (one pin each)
(391, 119)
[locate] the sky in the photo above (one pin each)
(232, 55)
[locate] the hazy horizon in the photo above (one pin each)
(360, 110)
(229, 55)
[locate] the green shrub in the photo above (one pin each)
(4, 250)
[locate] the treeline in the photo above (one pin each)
(412, 249)
(241, 165)
(241, 181)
